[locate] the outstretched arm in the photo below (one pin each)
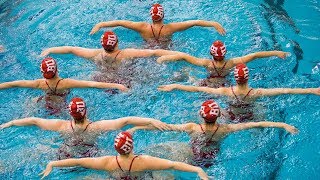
(153, 163)
(107, 125)
(170, 87)
(183, 56)
(279, 91)
(253, 56)
(180, 26)
(171, 127)
(138, 53)
(91, 163)
(136, 26)
(23, 83)
(72, 83)
(264, 124)
(52, 124)
(78, 51)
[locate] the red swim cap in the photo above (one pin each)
(156, 12)
(77, 108)
(241, 73)
(218, 50)
(48, 68)
(123, 143)
(109, 41)
(210, 111)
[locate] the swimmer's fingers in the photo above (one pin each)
(165, 88)
(291, 129)
(94, 29)
(45, 53)
(124, 89)
(161, 59)
(220, 29)
(283, 55)
(5, 125)
(46, 172)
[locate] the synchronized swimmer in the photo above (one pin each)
(158, 33)
(56, 88)
(80, 134)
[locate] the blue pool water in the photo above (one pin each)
(29, 26)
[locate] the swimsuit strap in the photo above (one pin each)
(55, 89)
(71, 125)
(118, 163)
(115, 58)
(156, 38)
(86, 127)
(48, 86)
(248, 93)
(214, 132)
(132, 162)
(215, 68)
(234, 93)
(202, 129)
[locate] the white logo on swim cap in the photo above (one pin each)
(214, 50)
(81, 107)
(159, 11)
(127, 146)
(112, 40)
(245, 73)
(51, 65)
(214, 110)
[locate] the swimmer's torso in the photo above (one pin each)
(78, 142)
(204, 146)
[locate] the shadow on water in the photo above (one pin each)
(274, 8)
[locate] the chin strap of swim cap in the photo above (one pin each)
(210, 111)
(218, 50)
(123, 143)
(109, 40)
(157, 12)
(241, 73)
(48, 68)
(77, 108)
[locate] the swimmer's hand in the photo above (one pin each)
(95, 29)
(6, 125)
(291, 129)
(168, 87)
(47, 171)
(160, 125)
(203, 175)
(220, 29)
(123, 88)
(45, 52)
(171, 57)
(282, 54)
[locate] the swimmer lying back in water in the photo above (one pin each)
(219, 68)
(158, 31)
(80, 133)
(57, 88)
(126, 165)
(242, 95)
(206, 137)
(110, 54)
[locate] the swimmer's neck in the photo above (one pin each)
(56, 77)
(210, 124)
(243, 86)
(85, 121)
(157, 23)
(126, 156)
(220, 63)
